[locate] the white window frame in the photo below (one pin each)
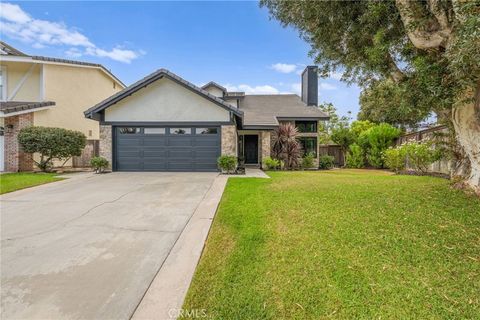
(4, 83)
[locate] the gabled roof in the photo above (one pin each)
(150, 79)
(8, 51)
(266, 110)
(214, 84)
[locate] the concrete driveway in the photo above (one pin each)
(89, 247)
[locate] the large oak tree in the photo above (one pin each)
(411, 58)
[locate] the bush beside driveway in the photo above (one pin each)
(340, 244)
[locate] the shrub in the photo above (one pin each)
(307, 161)
(51, 143)
(286, 147)
(420, 155)
(326, 162)
(359, 126)
(99, 164)
(271, 164)
(343, 136)
(394, 158)
(227, 164)
(355, 157)
(376, 140)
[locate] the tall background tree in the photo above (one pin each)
(411, 58)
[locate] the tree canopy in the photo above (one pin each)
(410, 57)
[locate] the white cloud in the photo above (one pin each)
(327, 86)
(17, 24)
(73, 52)
(265, 89)
(13, 13)
(284, 67)
(115, 54)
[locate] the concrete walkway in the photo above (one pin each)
(90, 247)
(164, 298)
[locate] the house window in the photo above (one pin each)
(129, 130)
(206, 130)
(3, 83)
(180, 131)
(306, 126)
(154, 130)
(309, 145)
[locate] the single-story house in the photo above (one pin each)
(165, 123)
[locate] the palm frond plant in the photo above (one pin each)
(286, 146)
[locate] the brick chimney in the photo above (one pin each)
(310, 85)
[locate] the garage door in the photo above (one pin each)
(167, 148)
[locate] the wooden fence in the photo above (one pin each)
(91, 150)
(441, 166)
(335, 151)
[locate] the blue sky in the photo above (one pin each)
(232, 43)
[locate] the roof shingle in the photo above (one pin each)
(15, 106)
(265, 110)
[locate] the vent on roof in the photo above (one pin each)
(310, 85)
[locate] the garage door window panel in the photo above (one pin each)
(206, 130)
(150, 131)
(129, 130)
(180, 130)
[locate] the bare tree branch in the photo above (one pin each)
(396, 73)
(424, 33)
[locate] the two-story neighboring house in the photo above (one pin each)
(165, 123)
(48, 92)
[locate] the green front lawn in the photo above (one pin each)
(349, 244)
(15, 181)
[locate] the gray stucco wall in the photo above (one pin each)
(166, 100)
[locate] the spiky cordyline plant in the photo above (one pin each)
(286, 147)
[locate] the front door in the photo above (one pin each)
(251, 149)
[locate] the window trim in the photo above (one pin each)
(4, 83)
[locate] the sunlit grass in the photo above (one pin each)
(15, 181)
(341, 244)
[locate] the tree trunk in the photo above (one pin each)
(466, 121)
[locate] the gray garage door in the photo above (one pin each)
(167, 148)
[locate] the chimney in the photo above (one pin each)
(310, 85)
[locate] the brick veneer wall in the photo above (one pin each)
(229, 140)
(265, 145)
(105, 147)
(15, 158)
